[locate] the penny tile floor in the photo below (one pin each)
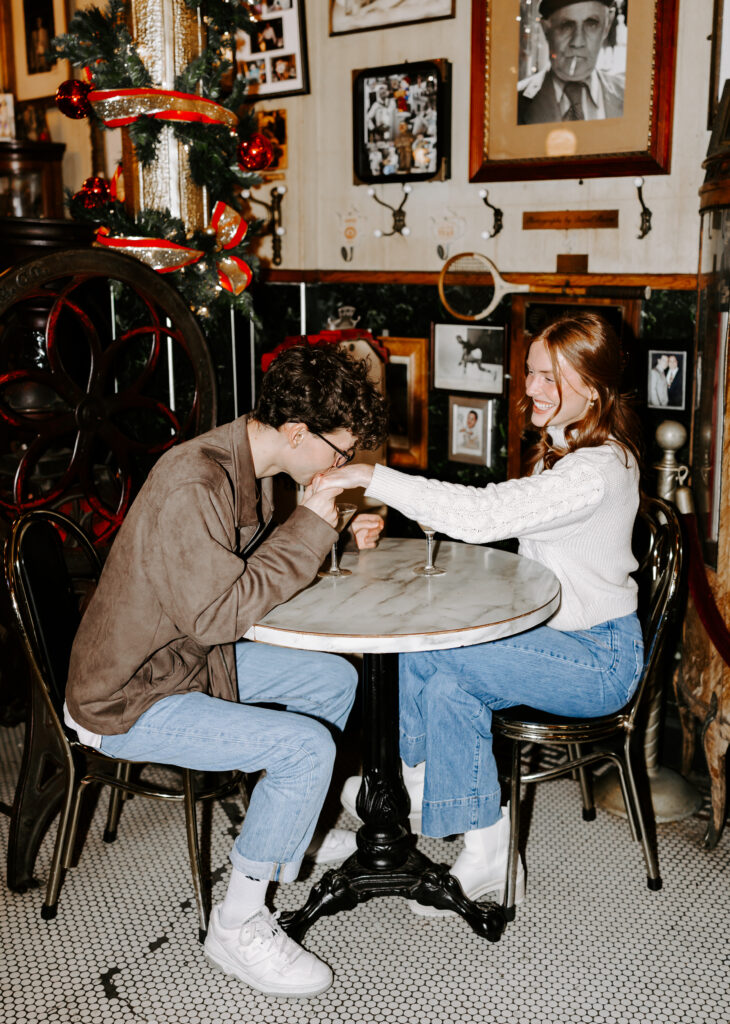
(590, 945)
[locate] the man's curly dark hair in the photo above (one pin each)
(326, 389)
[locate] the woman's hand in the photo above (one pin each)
(366, 528)
(358, 474)
(320, 496)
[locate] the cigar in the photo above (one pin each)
(571, 69)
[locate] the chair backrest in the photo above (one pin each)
(43, 596)
(658, 549)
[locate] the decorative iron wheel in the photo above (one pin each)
(102, 368)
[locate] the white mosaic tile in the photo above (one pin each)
(590, 945)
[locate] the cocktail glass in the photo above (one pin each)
(345, 512)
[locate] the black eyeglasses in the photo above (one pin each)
(344, 457)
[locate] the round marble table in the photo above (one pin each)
(383, 609)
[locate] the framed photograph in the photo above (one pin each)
(272, 124)
(7, 116)
(538, 110)
(466, 358)
(406, 385)
(363, 15)
(34, 23)
(273, 59)
(666, 380)
(401, 122)
(470, 430)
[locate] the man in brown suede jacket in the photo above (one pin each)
(159, 671)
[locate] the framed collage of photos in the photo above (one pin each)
(273, 58)
(401, 124)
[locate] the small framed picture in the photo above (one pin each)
(470, 429)
(272, 124)
(467, 358)
(273, 57)
(667, 379)
(401, 122)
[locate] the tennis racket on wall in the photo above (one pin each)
(470, 287)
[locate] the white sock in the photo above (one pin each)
(244, 897)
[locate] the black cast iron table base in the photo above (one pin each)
(387, 862)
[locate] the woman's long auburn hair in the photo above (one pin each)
(590, 345)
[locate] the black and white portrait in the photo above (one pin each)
(468, 358)
(572, 60)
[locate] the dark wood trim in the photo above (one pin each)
(7, 59)
(552, 283)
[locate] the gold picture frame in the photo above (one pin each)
(406, 384)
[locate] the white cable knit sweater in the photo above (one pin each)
(576, 518)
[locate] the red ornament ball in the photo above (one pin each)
(72, 99)
(255, 153)
(94, 194)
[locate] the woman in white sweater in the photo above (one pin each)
(574, 512)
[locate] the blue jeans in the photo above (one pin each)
(194, 730)
(447, 698)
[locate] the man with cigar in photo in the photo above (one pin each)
(572, 88)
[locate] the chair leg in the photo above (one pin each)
(653, 878)
(514, 837)
(116, 799)
(191, 822)
(586, 789)
(64, 841)
(244, 792)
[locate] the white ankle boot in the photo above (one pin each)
(413, 781)
(481, 867)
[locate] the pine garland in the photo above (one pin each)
(100, 40)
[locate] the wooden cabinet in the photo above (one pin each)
(702, 679)
(30, 179)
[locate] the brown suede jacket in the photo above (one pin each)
(184, 580)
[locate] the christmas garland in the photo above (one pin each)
(218, 143)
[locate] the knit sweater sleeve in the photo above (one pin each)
(563, 496)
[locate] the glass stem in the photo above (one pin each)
(333, 565)
(429, 554)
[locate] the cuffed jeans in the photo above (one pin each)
(447, 698)
(296, 752)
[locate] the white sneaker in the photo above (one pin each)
(260, 954)
(481, 867)
(336, 845)
(412, 780)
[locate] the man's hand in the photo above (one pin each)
(320, 498)
(366, 528)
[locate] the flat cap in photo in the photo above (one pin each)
(548, 7)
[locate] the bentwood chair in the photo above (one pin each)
(658, 549)
(56, 768)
